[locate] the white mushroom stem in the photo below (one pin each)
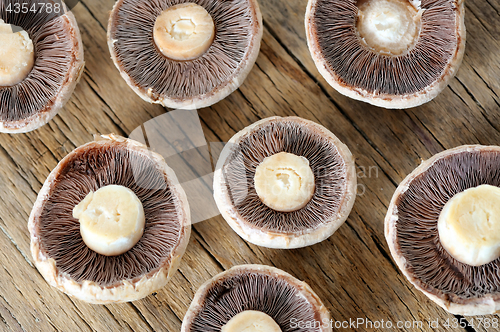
(388, 26)
(184, 32)
(469, 225)
(16, 55)
(251, 321)
(284, 182)
(111, 220)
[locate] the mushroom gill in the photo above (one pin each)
(251, 290)
(325, 161)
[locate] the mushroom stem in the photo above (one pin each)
(469, 225)
(251, 321)
(111, 220)
(388, 26)
(184, 32)
(284, 182)
(16, 55)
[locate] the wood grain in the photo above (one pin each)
(352, 271)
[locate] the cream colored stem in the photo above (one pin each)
(469, 225)
(16, 55)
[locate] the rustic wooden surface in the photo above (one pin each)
(352, 271)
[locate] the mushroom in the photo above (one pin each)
(285, 183)
(110, 223)
(256, 297)
(41, 60)
(183, 54)
(443, 227)
(389, 53)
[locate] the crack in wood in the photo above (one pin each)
(481, 108)
(119, 126)
(92, 14)
(79, 313)
(116, 320)
(205, 246)
(482, 79)
(58, 116)
(494, 8)
(131, 304)
(8, 317)
(432, 135)
(16, 246)
(18, 168)
(486, 29)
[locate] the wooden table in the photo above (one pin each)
(352, 271)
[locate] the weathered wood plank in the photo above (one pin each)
(341, 258)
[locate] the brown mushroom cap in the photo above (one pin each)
(185, 84)
(392, 81)
(58, 65)
(413, 238)
(58, 249)
(255, 287)
(335, 181)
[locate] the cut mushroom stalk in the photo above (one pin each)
(284, 182)
(469, 225)
(184, 31)
(251, 321)
(16, 55)
(388, 26)
(111, 220)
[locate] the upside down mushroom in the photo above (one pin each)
(41, 60)
(389, 53)
(285, 183)
(443, 227)
(185, 54)
(255, 298)
(110, 223)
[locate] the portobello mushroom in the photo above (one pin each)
(442, 229)
(389, 53)
(85, 222)
(41, 60)
(285, 183)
